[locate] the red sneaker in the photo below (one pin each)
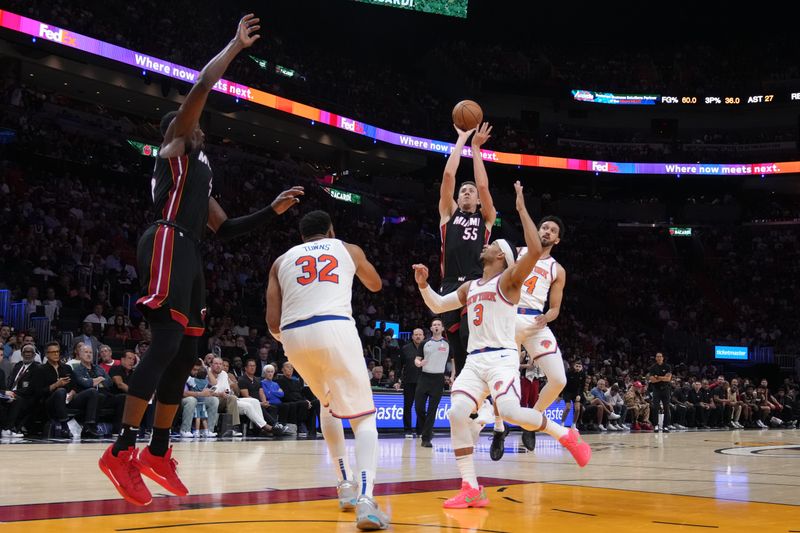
(578, 447)
(636, 427)
(467, 497)
(125, 476)
(162, 470)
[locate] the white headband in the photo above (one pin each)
(507, 251)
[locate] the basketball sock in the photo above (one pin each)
(126, 439)
(661, 420)
(366, 433)
(159, 442)
(467, 468)
(499, 426)
(333, 432)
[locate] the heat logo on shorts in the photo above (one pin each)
(57, 35)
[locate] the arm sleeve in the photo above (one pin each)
(234, 227)
(440, 304)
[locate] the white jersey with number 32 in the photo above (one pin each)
(535, 290)
(491, 316)
(316, 278)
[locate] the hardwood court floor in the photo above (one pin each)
(726, 481)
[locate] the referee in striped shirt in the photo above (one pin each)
(430, 384)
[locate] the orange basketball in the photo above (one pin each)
(467, 115)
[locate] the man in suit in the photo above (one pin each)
(19, 393)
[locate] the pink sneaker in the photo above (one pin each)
(467, 497)
(578, 447)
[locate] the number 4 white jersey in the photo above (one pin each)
(316, 278)
(535, 290)
(491, 316)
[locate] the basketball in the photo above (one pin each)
(467, 115)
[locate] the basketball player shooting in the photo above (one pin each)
(465, 226)
(174, 289)
(492, 366)
(309, 311)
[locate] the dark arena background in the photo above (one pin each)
(664, 138)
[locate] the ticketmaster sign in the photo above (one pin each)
(389, 412)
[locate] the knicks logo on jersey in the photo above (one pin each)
(498, 384)
(482, 297)
(539, 271)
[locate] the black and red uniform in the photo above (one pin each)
(463, 237)
(169, 250)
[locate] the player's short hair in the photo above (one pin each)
(468, 182)
(558, 222)
(315, 223)
(166, 120)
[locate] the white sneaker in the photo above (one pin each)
(761, 424)
(485, 413)
(11, 434)
(601, 427)
(235, 433)
(187, 435)
(775, 421)
(613, 416)
(672, 427)
(210, 434)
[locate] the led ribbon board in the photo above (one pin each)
(41, 30)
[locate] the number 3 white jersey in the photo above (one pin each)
(535, 290)
(316, 278)
(491, 316)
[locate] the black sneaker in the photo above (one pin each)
(426, 444)
(529, 440)
(498, 447)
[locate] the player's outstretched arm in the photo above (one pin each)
(434, 301)
(481, 177)
(364, 269)
(227, 228)
(189, 113)
(522, 268)
(274, 301)
(446, 203)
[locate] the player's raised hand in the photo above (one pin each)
(287, 199)
(463, 135)
(420, 274)
(245, 34)
(482, 135)
(520, 203)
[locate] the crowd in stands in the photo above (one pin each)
(74, 199)
(397, 91)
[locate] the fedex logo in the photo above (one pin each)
(57, 35)
(350, 125)
(603, 166)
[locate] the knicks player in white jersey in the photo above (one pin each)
(308, 310)
(492, 366)
(544, 285)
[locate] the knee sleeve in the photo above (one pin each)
(509, 408)
(167, 337)
(460, 432)
(170, 387)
